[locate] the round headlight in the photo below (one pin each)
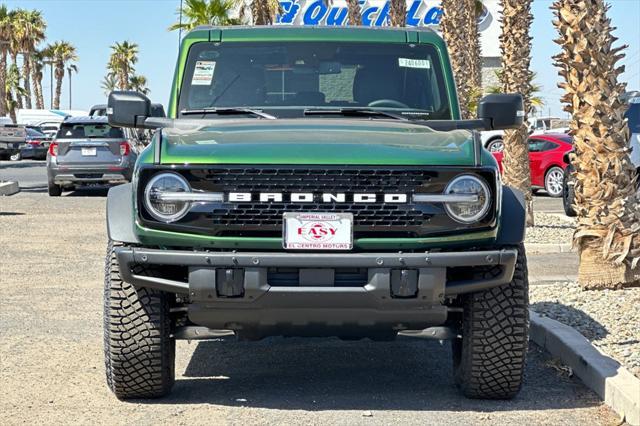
(468, 211)
(166, 209)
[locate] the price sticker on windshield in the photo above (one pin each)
(414, 63)
(203, 73)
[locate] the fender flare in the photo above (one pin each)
(120, 214)
(512, 217)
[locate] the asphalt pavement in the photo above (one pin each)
(51, 359)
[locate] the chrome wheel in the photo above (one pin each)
(496, 145)
(554, 182)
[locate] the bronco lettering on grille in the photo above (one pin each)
(309, 197)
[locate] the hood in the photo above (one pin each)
(315, 141)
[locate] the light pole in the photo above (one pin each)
(50, 63)
(71, 69)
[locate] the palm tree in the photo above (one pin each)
(5, 31)
(606, 201)
(139, 84)
(515, 77)
(109, 83)
(61, 52)
(459, 30)
(121, 62)
(29, 27)
(205, 12)
(354, 14)
(264, 11)
(14, 50)
(37, 68)
(398, 13)
(12, 85)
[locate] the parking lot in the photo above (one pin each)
(51, 349)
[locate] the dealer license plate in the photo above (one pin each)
(318, 231)
(88, 152)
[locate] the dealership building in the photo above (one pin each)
(420, 13)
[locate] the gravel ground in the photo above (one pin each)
(52, 368)
(610, 319)
(551, 228)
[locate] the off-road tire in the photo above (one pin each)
(489, 360)
(54, 190)
(138, 347)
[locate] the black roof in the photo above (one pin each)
(87, 120)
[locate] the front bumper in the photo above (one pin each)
(315, 306)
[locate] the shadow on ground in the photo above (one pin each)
(330, 374)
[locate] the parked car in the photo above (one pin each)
(12, 140)
(37, 143)
(633, 115)
(87, 150)
(493, 140)
(547, 161)
(49, 128)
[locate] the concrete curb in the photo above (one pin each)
(9, 188)
(542, 248)
(619, 389)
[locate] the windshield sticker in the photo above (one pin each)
(414, 63)
(203, 73)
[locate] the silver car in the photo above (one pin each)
(86, 151)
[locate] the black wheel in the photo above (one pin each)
(553, 181)
(496, 145)
(16, 157)
(139, 351)
(54, 190)
(489, 360)
(568, 193)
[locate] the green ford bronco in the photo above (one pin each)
(314, 181)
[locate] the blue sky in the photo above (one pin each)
(93, 25)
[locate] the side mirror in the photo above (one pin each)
(501, 111)
(157, 110)
(128, 109)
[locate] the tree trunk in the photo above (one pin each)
(3, 83)
(26, 75)
(515, 44)
(11, 108)
(59, 77)
(14, 59)
(37, 88)
(459, 28)
(398, 13)
(607, 204)
(353, 12)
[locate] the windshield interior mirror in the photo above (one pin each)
(501, 111)
(129, 109)
(329, 68)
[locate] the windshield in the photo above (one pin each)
(81, 131)
(34, 133)
(285, 78)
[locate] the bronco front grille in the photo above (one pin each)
(378, 219)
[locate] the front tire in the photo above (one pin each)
(568, 193)
(138, 347)
(553, 181)
(496, 145)
(490, 358)
(16, 157)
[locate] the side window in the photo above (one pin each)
(535, 145)
(548, 146)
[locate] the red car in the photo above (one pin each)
(545, 158)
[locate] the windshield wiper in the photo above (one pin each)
(227, 111)
(354, 112)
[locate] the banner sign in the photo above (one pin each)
(374, 13)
